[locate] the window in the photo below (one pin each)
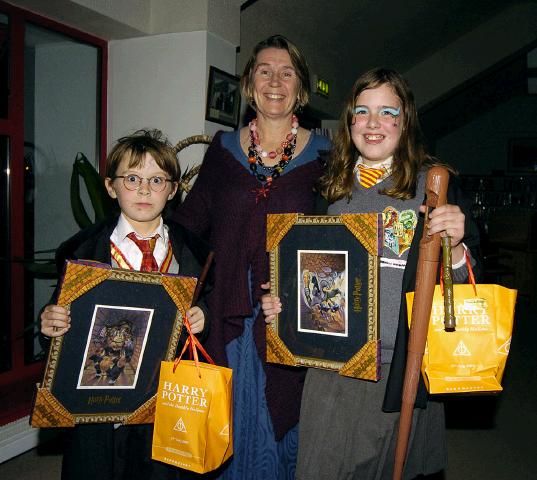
(52, 105)
(61, 118)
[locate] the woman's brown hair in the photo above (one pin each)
(409, 157)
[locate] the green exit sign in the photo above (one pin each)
(320, 86)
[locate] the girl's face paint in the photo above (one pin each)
(387, 112)
(375, 126)
(390, 111)
(360, 110)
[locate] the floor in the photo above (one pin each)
(490, 437)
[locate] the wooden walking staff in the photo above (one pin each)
(428, 260)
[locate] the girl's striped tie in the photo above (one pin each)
(369, 176)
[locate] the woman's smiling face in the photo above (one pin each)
(377, 123)
(275, 85)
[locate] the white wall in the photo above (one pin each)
(161, 82)
(157, 82)
(220, 54)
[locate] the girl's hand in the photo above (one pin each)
(55, 321)
(196, 318)
(448, 220)
(270, 305)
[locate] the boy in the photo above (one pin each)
(142, 174)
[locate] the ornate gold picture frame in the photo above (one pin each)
(325, 271)
(105, 368)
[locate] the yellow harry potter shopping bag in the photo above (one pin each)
(193, 418)
(472, 358)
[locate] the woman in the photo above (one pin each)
(348, 427)
(270, 166)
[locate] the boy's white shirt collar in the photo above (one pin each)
(124, 227)
(131, 251)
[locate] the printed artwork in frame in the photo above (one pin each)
(105, 369)
(223, 98)
(325, 271)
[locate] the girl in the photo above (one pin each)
(348, 427)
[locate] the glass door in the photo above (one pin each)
(52, 106)
(61, 118)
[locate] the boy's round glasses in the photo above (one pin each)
(134, 182)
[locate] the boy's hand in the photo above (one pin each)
(269, 304)
(55, 321)
(196, 318)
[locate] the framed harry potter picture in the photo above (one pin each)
(105, 368)
(325, 271)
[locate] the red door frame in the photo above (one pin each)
(13, 127)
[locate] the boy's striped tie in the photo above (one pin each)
(149, 264)
(369, 176)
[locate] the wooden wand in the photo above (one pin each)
(200, 284)
(450, 322)
(428, 260)
(201, 279)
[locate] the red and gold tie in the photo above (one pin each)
(369, 176)
(149, 264)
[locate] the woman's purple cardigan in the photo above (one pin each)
(224, 207)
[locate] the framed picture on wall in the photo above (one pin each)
(523, 155)
(223, 98)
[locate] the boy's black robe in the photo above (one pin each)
(98, 451)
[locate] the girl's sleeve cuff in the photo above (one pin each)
(462, 261)
(460, 270)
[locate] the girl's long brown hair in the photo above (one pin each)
(409, 157)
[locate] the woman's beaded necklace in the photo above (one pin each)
(256, 154)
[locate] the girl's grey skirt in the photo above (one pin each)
(344, 434)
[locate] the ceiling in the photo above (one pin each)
(342, 38)
(399, 33)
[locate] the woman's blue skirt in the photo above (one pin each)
(257, 455)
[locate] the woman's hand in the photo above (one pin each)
(448, 220)
(196, 318)
(55, 321)
(270, 305)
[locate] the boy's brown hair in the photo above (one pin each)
(135, 146)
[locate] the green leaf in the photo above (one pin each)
(39, 268)
(77, 206)
(100, 200)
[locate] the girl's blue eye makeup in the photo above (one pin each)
(360, 110)
(394, 112)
